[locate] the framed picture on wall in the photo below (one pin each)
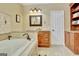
(35, 20)
(18, 18)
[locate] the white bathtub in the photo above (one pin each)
(14, 47)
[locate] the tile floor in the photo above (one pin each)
(55, 50)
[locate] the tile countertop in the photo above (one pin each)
(38, 29)
(73, 31)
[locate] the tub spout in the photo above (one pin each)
(9, 37)
(27, 36)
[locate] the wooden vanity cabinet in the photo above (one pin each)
(43, 38)
(72, 41)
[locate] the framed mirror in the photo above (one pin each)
(35, 20)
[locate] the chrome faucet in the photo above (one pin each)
(27, 35)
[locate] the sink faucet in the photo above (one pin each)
(27, 35)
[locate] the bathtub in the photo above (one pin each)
(15, 46)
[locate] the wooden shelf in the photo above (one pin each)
(74, 5)
(75, 11)
(75, 24)
(75, 18)
(74, 8)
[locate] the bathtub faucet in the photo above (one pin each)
(27, 36)
(9, 37)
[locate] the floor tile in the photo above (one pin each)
(55, 50)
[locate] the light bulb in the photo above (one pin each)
(39, 10)
(31, 11)
(35, 11)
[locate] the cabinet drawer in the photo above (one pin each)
(43, 38)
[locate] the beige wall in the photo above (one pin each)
(12, 10)
(46, 8)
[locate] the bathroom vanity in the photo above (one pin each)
(44, 39)
(72, 41)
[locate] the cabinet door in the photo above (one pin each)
(72, 41)
(43, 39)
(67, 39)
(76, 42)
(40, 38)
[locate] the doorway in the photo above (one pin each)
(57, 27)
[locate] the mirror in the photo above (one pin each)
(35, 20)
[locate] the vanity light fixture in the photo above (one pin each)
(30, 11)
(34, 10)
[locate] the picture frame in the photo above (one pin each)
(35, 20)
(18, 18)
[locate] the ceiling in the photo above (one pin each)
(28, 4)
